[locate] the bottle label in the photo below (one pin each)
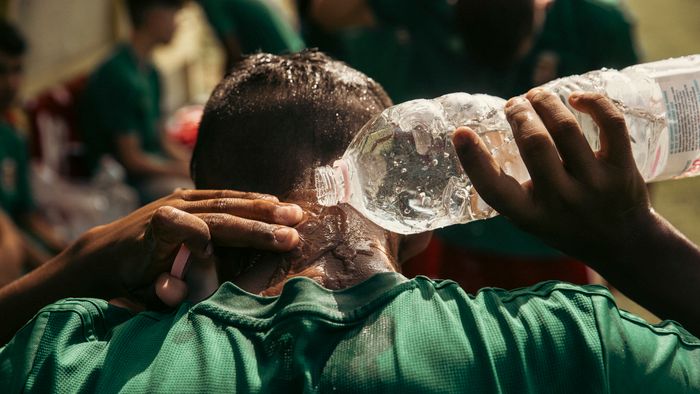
(681, 96)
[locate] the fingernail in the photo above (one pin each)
(285, 235)
(534, 92)
(575, 96)
(461, 139)
(515, 101)
(290, 214)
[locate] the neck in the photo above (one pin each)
(338, 249)
(142, 45)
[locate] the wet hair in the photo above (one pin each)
(274, 118)
(12, 42)
(137, 9)
(494, 30)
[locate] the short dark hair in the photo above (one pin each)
(11, 40)
(274, 118)
(493, 30)
(137, 9)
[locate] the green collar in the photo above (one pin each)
(302, 296)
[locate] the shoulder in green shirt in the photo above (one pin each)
(15, 191)
(387, 334)
(257, 27)
(121, 96)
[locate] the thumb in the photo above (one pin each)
(171, 290)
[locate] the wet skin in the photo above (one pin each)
(338, 248)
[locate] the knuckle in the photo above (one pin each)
(616, 121)
(224, 205)
(543, 97)
(534, 144)
(564, 124)
(599, 98)
(184, 194)
(518, 112)
(162, 214)
(263, 232)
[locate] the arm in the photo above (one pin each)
(174, 150)
(136, 161)
(12, 253)
(126, 258)
(37, 225)
(335, 15)
(592, 205)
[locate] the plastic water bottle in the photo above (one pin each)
(402, 172)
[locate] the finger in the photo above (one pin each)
(261, 210)
(615, 145)
(171, 227)
(536, 146)
(233, 231)
(170, 290)
(565, 131)
(194, 195)
(499, 190)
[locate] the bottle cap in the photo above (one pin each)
(345, 172)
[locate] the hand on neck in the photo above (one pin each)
(339, 248)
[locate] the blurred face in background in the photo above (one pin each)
(159, 22)
(501, 32)
(11, 68)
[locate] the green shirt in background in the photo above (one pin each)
(15, 191)
(584, 35)
(121, 97)
(387, 334)
(257, 27)
(413, 52)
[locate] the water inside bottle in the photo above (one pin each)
(407, 176)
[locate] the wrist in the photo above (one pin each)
(81, 266)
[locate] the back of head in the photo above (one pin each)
(11, 41)
(275, 118)
(137, 9)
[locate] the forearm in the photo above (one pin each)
(176, 151)
(334, 15)
(659, 268)
(11, 251)
(38, 225)
(143, 164)
(61, 277)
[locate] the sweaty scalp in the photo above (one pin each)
(274, 118)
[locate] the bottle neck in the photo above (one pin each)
(333, 183)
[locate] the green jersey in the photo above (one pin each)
(387, 334)
(121, 97)
(257, 27)
(15, 191)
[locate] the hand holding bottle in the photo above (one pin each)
(578, 200)
(592, 205)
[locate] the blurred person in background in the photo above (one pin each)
(335, 314)
(38, 240)
(120, 107)
(424, 49)
(249, 26)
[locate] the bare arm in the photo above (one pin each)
(38, 225)
(592, 205)
(174, 150)
(136, 161)
(127, 257)
(12, 253)
(334, 15)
